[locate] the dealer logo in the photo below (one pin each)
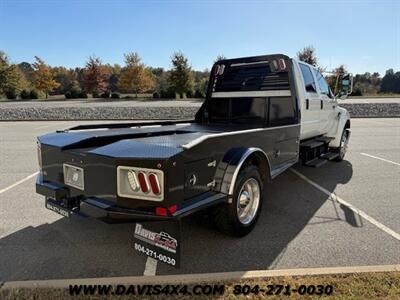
(160, 239)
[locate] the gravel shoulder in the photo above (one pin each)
(89, 109)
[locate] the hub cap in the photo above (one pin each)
(248, 201)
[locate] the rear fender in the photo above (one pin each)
(229, 167)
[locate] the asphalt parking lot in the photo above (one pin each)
(301, 224)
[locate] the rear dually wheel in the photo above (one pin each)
(239, 217)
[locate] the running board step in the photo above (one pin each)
(329, 155)
(311, 144)
(316, 162)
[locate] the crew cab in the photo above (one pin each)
(261, 116)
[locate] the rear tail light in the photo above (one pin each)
(155, 185)
(143, 182)
(140, 183)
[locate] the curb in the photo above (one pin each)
(196, 278)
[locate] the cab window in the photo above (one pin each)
(323, 85)
(308, 78)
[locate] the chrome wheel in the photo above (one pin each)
(248, 201)
(343, 144)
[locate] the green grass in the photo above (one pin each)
(349, 286)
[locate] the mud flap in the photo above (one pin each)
(159, 240)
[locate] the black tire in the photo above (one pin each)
(226, 215)
(343, 146)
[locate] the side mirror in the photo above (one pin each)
(345, 86)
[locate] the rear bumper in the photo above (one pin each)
(57, 197)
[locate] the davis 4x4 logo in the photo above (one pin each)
(160, 239)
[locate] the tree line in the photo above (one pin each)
(39, 80)
(364, 84)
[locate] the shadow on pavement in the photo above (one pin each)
(77, 247)
(290, 203)
(69, 248)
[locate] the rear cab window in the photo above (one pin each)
(308, 78)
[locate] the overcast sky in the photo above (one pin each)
(363, 35)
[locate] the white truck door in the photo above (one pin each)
(327, 104)
(311, 106)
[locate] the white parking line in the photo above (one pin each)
(351, 207)
(376, 157)
(151, 267)
(18, 182)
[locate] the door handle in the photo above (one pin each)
(307, 103)
(322, 104)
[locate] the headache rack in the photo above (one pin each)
(255, 90)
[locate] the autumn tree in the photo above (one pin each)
(95, 76)
(307, 54)
(65, 77)
(135, 77)
(180, 78)
(43, 77)
(12, 80)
